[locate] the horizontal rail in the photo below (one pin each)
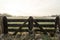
(41, 25)
(38, 20)
(27, 30)
(19, 17)
(16, 20)
(45, 20)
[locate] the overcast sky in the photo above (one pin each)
(30, 7)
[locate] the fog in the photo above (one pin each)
(30, 7)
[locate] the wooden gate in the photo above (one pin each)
(45, 25)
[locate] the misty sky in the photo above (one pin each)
(30, 7)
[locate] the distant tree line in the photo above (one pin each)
(5, 14)
(55, 15)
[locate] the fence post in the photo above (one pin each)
(1, 25)
(56, 23)
(5, 25)
(59, 23)
(59, 27)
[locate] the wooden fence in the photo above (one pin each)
(45, 25)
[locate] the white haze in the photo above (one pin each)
(30, 7)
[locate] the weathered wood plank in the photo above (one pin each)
(16, 20)
(5, 25)
(42, 25)
(38, 20)
(27, 30)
